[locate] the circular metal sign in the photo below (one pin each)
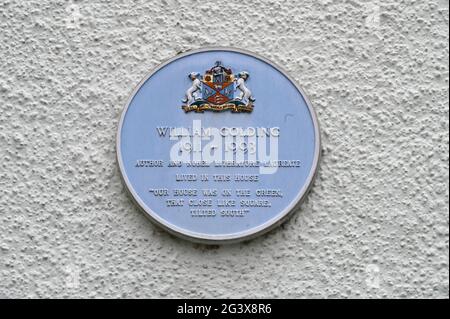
(218, 145)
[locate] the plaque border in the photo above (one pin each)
(240, 236)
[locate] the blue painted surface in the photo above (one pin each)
(158, 103)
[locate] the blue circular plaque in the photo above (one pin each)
(218, 145)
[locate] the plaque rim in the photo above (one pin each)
(249, 234)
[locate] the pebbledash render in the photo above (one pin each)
(375, 223)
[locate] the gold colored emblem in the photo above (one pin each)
(218, 90)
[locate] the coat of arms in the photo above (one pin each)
(218, 90)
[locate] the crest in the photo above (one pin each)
(218, 89)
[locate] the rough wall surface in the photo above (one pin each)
(376, 223)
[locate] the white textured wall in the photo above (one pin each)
(375, 225)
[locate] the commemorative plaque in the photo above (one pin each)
(218, 145)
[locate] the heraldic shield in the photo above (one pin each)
(218, 90)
